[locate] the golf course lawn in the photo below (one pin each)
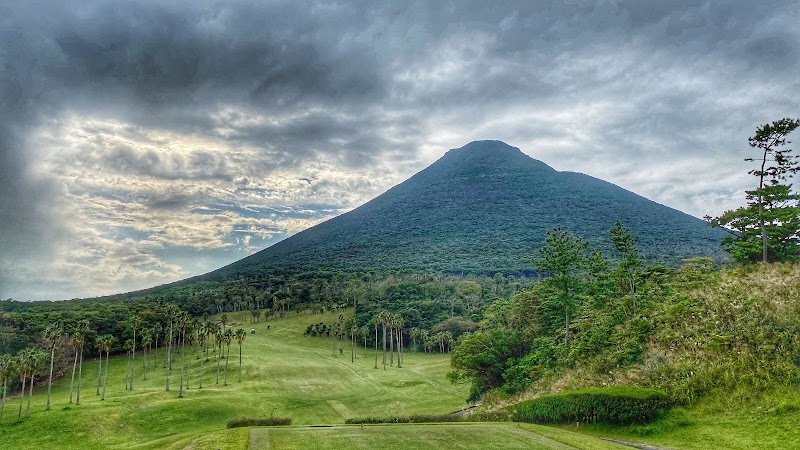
(419, 436)
(284, 374)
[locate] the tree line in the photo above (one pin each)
(164, 335)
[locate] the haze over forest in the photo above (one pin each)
(142, 143)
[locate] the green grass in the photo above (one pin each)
(284, 373)
(727, 422)
(464, 436)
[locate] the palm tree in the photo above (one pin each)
(98, 343)
(6, 368)
(52, 334)
(157, 329)
(375, 322)
(147, 341)
(23, 364)
(107, 343)
(128, 350)
(383, 317)
(390, 321)
(364, 333)
(218, 334)
(74, 340)
(240, 335)
(171, 313)
(182, 321)
(414, 334)
(135, 322)
(38, 360)
(202, 335)
(227, 337)
(81, 333)
(398, 324)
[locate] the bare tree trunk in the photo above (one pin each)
(399, 347)
(226, 364)
(133, 358)
(72, 381)
(22, 396)
(105, 379)
(50, 379)
(183, 359)
(30, 396)
(3, 401)
(80, 370)
(391, 345)
(384, 346)
(168, 362)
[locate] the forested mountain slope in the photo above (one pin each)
(481, 208)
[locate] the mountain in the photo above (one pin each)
(483, 207)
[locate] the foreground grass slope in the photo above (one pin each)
(465, 436)
(284, 373)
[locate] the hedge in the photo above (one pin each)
(417, 418)
(616, 405)
(492, 416)
(262, 422)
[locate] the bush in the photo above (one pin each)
(256, 422)
(482, 416)
(618, 405)
(417, 418)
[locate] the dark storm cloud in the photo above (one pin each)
(362, 84)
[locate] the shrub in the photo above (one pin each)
(259, 422)
(417, 418)
(482, 416)
(618, 405)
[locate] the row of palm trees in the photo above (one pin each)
(443, 340)
(181, 330)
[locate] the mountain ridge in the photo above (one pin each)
(483, 207)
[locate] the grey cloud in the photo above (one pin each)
(367, 85)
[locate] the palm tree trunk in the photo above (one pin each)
(189, 370)
(80, 369)
(128, 371)
(22, 396)
(50, 379)
(391, 345)
(376, 345)
(100, 372)
(168, 363)
(201, 372)
(228, 354)
(399, 348)
(133, 358)
(183, 361)
(144, 357)
(72, 381)
(30, 396)
(384, 346)
(218, 360)
(3, 402)
(240, 362)
(105, 379)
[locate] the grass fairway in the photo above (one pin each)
(284, 374)
(466, 436)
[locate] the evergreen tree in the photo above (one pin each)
(767, 228)
(563, 257)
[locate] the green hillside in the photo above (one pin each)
(481, 208)
(285, 374)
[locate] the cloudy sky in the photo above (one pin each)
(142, 142)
